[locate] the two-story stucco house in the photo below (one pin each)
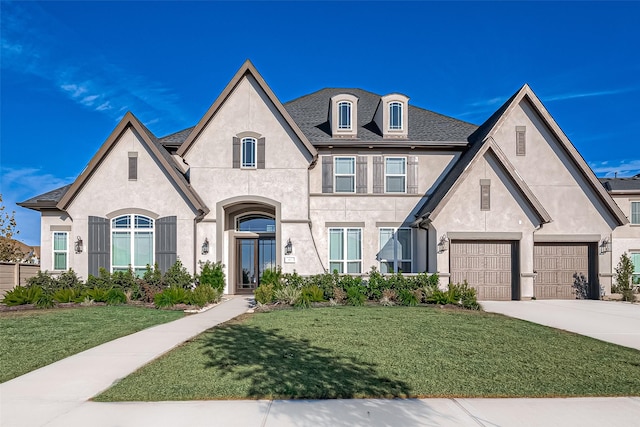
(341, 179)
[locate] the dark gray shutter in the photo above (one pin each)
(166, 242)
(378, 174)
(133, 167)
(361, 177)
(485, 194)
(261, 153)
(236, 153)
(327, 174)
(412, 175)
(521, 141)
(98, 242)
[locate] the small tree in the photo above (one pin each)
(9, 250)
(624, 273)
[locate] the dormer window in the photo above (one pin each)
(343, 116)
(395, 116)
(391, 116)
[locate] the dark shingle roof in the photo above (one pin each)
(621, 184)
(175, 139)
(47, 200)
(310, 112)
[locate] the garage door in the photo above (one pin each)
(555, 265)
(484, 265)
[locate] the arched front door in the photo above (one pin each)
(255, 249)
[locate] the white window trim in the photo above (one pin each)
(345, 240)
(350, 116)
(336, 174)
(401, 106)
(395, 241)
(404, 191)
(634, 275)
(631, 212)
(255, 153)
(54, 251)
(131, 230)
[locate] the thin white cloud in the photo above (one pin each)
(488, 102)
(621, 169)
(590, 94)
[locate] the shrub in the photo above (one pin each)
(377, 284)
(22, 295)
(203, 295)
(288, 295)
(115, 296)
(96, 294)
(408, 298)
(293, 280)
(125, 281)
(152, 276)
(44, 300)
(581, 286)
(44, 281)
(67, 295)
(624, 273)
(264, 294)
(356, 295)
(313, 293)
(171, 296)
(273, 277)
(69, 280)
(388, 298)
(212, 274)
(102, 281)
(177, 276)
(339, 295)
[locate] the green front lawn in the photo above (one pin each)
(344, 352)
(35, 338)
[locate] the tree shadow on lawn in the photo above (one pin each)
(280, 367)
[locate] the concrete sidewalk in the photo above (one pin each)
(612, 321)
(57, 396)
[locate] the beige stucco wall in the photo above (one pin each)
(627, 237)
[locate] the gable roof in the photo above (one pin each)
(159, 154)
(443, 193)
(311, 113)
(246, 69)
(622, 185)
(46, 200)
(489, 128)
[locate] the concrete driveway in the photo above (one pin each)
(612, 321)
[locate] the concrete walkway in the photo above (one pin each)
(612, 321)
(57, 396)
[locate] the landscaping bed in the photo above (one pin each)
(382, 352)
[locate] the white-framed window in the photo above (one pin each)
(344, 174)
(345, 250)
(132, 243)
(635, 259)
(396, 250)
(248, 150)
(395, 116)
(344, 115)
(60, 250)
(395, 174)
(635, 213)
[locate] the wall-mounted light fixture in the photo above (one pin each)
(205, 246)
(288, 248)
(605, 246)
(443, 244)
(78, 245)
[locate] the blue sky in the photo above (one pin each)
(70, 70)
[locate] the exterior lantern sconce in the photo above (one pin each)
(205, 246)
(443, 244)
(288, 248)
(605, 246)
(78, 245)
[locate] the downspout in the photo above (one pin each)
(315, 246)
(196, 220)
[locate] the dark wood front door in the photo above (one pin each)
(254, 256)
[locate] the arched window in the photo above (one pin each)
(395, 116)
(344, 115)
(256, 223)
(132, 243)
(249, 153)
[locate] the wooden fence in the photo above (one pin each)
(13, 274)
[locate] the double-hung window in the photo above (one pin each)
(395, 116)
(345, 174)
(635, 213)
(249, 153)
(395, 173)
(60, 250)
(132, 243)
(344, 115)
(635, 259)
(395, 250)
(345, 250)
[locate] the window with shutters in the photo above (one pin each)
(345, 250)
(395, 174)
(521, 141)
(635, 213)
(60, 250)
(395, 254)
(344, 174)
(133, 166)
(249, 153)
(132, 243)
(485, 194)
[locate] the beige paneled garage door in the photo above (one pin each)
(555, 265)
(485, 265)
